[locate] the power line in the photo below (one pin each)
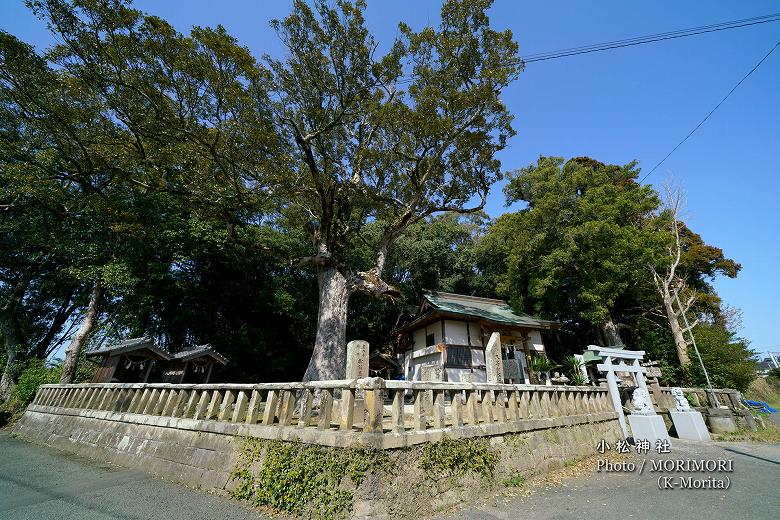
(641, 40)
(746, 76)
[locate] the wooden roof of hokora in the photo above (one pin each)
(487, 309)
(199, 352)
(132, 345)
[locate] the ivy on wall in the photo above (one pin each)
(304, 479)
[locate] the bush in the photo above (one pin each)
(35, 374)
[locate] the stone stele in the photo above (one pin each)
(357, 359)
(494, 365)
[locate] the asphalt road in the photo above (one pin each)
(754, 492)
(39, 483)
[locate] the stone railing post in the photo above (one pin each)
(373, 388)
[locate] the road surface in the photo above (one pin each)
(39, 483)
(754, 493)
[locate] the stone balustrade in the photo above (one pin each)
(664, 400)
(371, 411)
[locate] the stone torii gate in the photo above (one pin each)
(619, 360)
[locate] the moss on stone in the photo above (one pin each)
(450, 458)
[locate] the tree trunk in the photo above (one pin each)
(13, 344)
(611, 333)
(679, 339)
(7, 380)
(73, 352)
(12, 334)
(329, 359)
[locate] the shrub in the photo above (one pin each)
(35, 374)
(727, 358)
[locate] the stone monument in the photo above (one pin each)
(431, 373)
(494, 365)
(357, 366)
(357, 359)
(645, 423)
(688, 423)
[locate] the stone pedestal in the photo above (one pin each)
(690, 425)
(721, 420)
(649, 427)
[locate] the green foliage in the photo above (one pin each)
(543, 364)
(453, 458)
(303, 479)
(35, 374)
(579, 247)
(194, 208)
(728, 359)
(775, 372)
(516, 480)
(572, 366)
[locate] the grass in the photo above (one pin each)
(515, 481)
(770, 435)
(765, 389)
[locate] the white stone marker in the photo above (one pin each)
(494, 365)
(688, 423)
(357, 359)
(645, 424)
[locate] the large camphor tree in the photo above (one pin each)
(385, 140)
(335, 138)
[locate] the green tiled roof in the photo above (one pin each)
(488, 309)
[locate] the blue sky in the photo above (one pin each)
(616, 106)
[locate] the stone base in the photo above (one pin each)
(649, 427)
(721, 420)
(690, 425)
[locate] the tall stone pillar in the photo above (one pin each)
(494, 365)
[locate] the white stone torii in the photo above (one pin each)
(629, 361)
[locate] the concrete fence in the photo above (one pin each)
(371, 411)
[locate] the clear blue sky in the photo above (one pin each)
(616, 106)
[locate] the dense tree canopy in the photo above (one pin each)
(217, 197)
(580, 248)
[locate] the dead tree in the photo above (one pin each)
(668, 282)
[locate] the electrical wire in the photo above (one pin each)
(638, 40)
(746, 76)
(652, 38)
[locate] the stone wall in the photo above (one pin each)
(198, 459)
(206, 459)
(410, 492)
